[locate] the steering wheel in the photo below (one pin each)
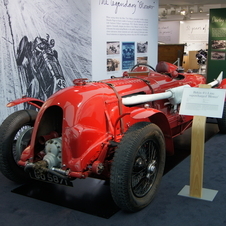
(142, 64)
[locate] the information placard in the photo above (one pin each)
(203, 101)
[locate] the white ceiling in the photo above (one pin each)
(190, 2)
(169, 10)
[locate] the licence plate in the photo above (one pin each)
(49, 177)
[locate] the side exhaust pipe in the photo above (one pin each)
(174, 95)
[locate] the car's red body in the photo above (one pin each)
(91, 119)
(93, 115)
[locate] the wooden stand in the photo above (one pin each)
(197, 156)
(197, 160)
(197, 153)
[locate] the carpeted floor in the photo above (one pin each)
(21, 207)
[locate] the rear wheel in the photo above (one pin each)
(222, 121)
(138, 167)
(15, 135)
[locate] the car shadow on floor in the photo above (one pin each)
(93, 196)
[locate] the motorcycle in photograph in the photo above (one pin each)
(40, 70)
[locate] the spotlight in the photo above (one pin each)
(200, 10)
(183, 12)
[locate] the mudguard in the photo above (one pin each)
(157, 117)
(32, 101)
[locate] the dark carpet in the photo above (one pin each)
(89, 203)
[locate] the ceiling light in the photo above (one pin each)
(200, 10)
(183, 12)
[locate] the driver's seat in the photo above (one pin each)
(167, 68)
(162, 67)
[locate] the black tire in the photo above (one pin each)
(21, 50)
(15, 134)
(138, 166)
(222, 121)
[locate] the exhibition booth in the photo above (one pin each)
(95, 116)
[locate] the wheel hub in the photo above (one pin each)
(139, 164)
(22, 141)
(151, 169)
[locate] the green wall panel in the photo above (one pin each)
(217, 44)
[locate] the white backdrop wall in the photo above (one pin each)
(169, 32)
(194, 33)
(118, 26)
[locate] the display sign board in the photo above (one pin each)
(203, 101)
(123, 34)
(217, 43)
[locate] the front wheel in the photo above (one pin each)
(138, 167)
(21, 50)
(15, 135)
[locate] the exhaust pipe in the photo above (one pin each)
(174, 95)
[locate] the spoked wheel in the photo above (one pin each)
(138, 167)
(15, 135)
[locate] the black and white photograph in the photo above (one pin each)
(44, 45)
(217, 55)
(142, 47)
(113, 64)
(219, 44)
(39, 68)
(113, 48)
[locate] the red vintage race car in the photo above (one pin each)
(119, 129)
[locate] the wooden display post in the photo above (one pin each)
(197, 153)
(196, 190)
